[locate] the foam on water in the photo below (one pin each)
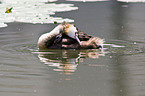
(3, 25)
(131, 0)
(87, 0)
(30, 11)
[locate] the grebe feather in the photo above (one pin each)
(45, 40)
(66, 36)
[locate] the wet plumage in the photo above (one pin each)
(66, 36)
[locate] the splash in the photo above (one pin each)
(33, 11)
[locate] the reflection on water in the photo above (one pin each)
(66, 61)
(119, 72)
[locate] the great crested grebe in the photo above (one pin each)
(47, 39)
(66, 36)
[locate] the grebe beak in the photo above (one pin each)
(76, 37)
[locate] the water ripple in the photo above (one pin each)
(125, 47)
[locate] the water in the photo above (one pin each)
(30, 11)
(118, 70)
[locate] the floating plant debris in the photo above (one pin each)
(9, 10)
(55, 22)
(32, 11)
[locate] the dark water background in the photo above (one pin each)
(119, 70)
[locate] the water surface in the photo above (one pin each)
(118, 70)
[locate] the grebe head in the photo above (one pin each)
(71, 30)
